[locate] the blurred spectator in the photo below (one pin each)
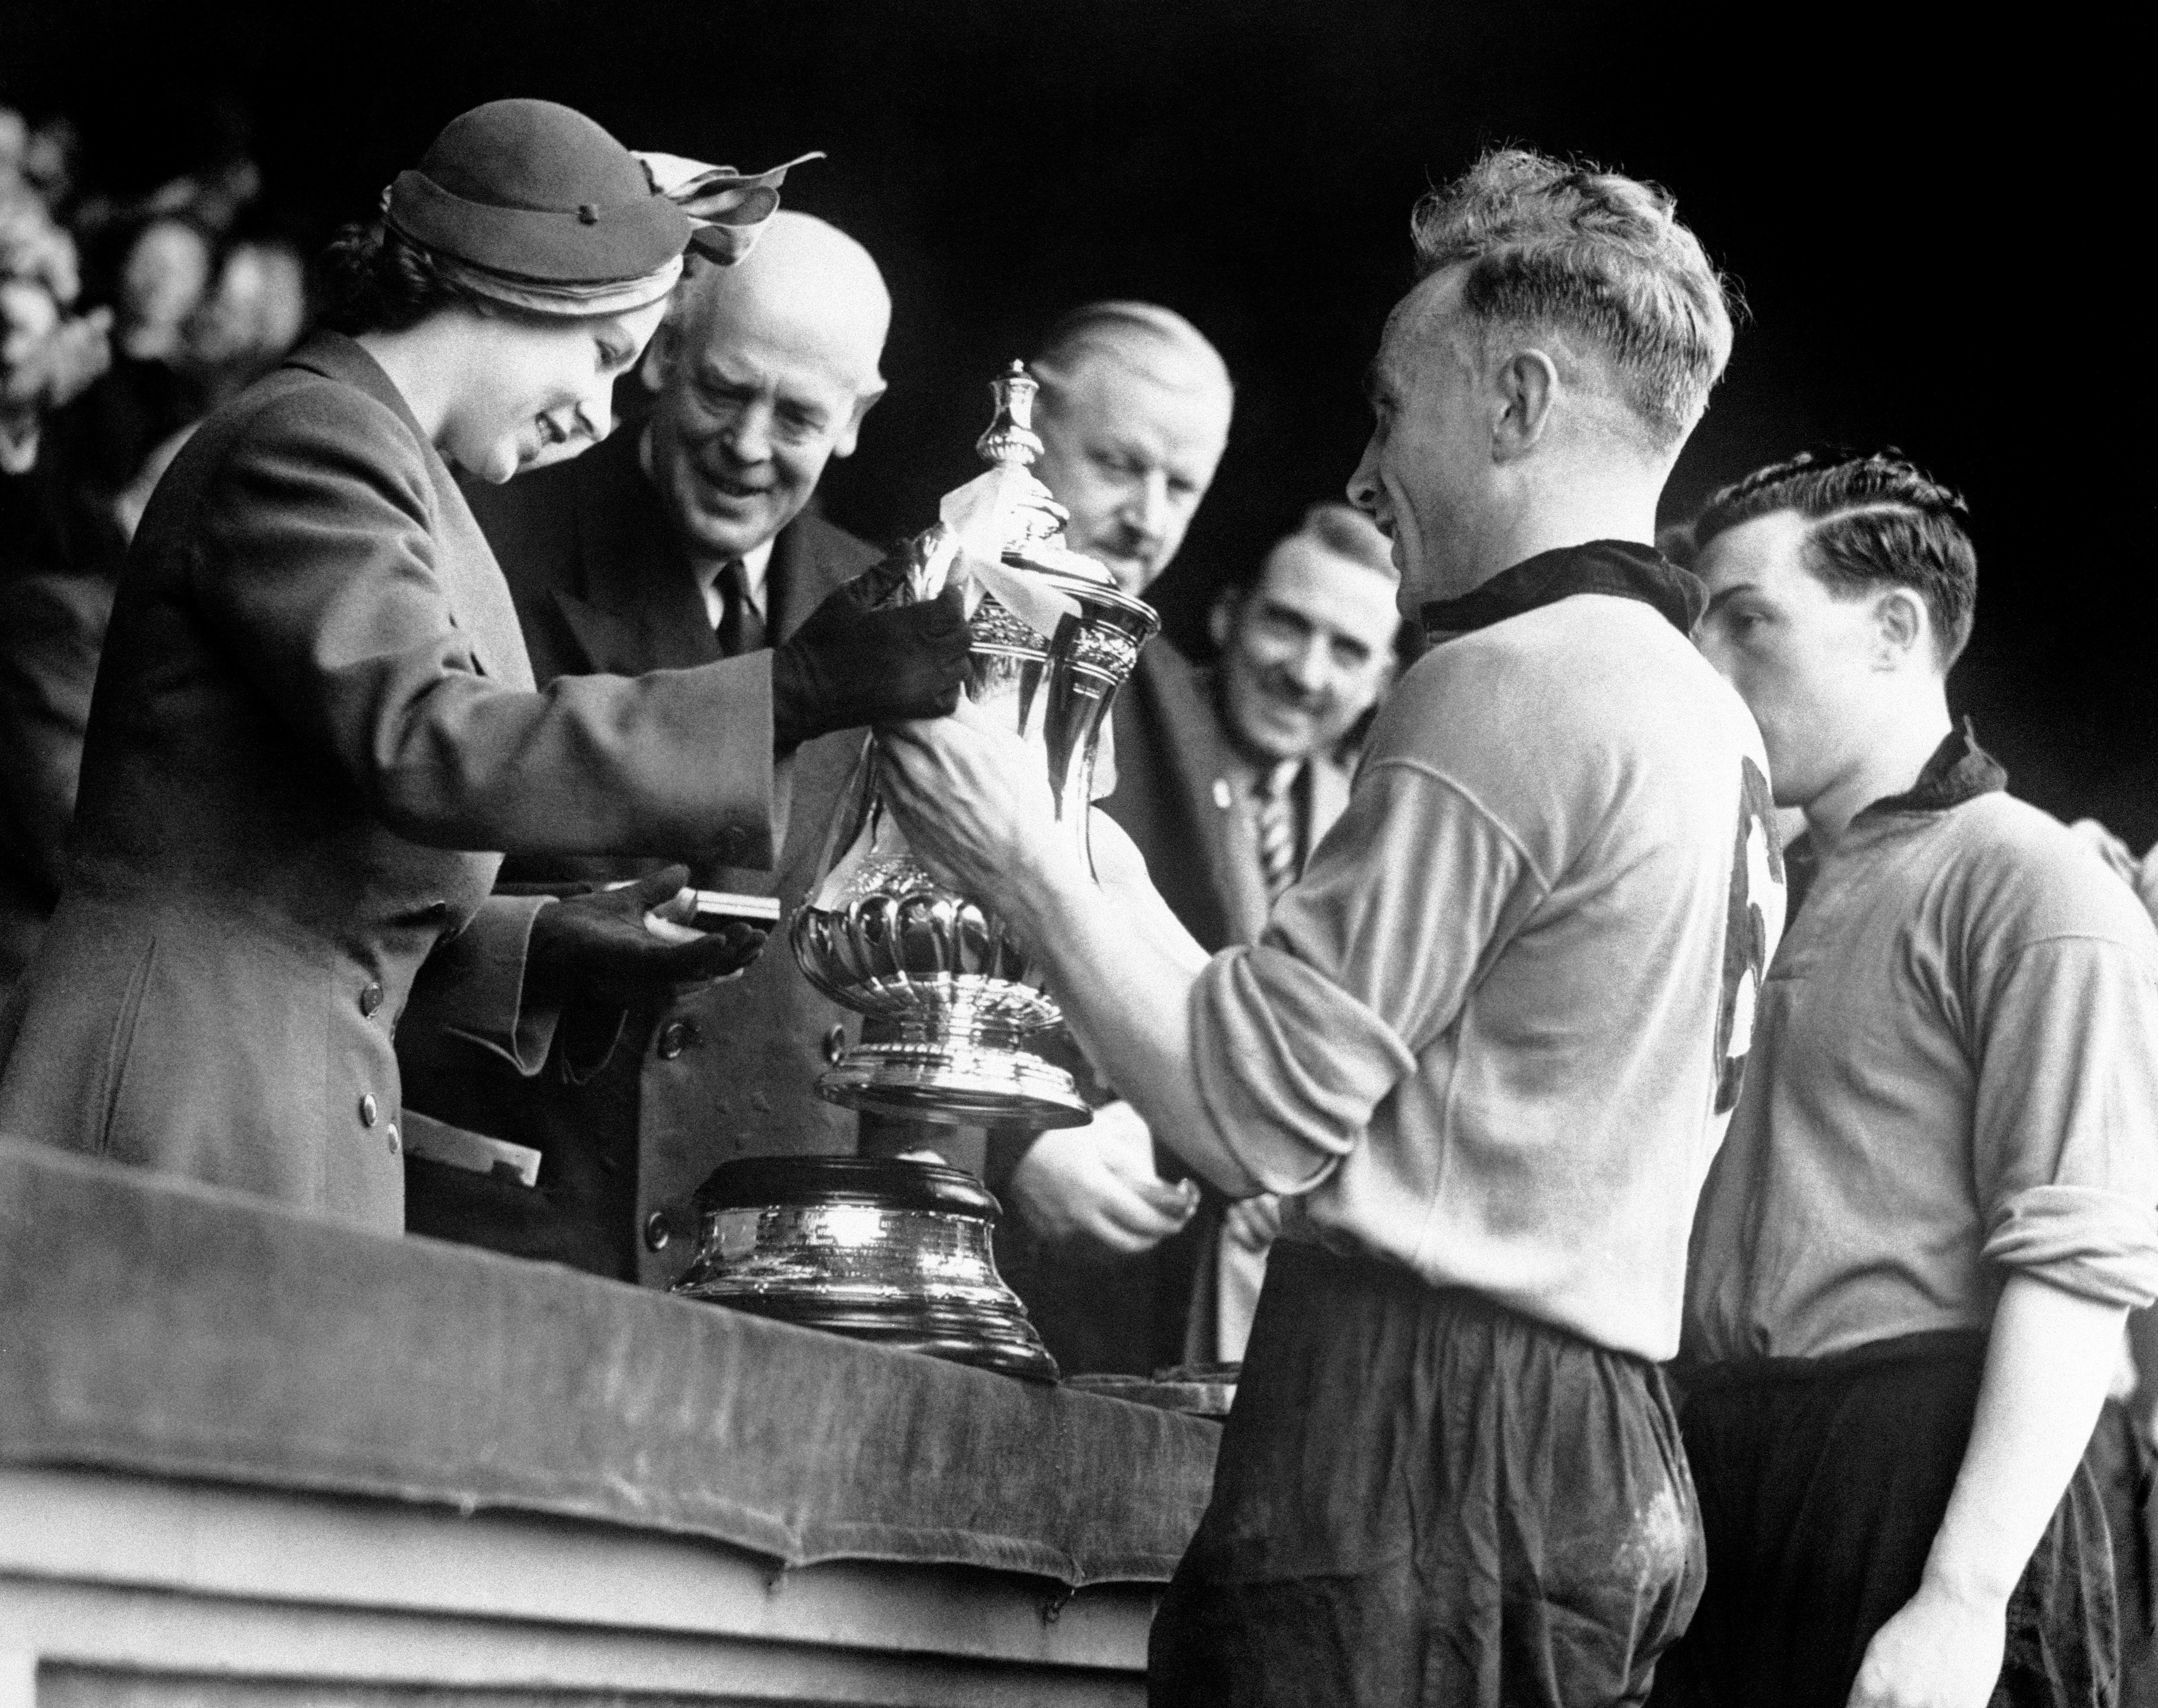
(47, 355)
(94, 406)
(165, 276)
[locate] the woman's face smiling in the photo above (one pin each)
(534, 391)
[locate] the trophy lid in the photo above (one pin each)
(1034, 536)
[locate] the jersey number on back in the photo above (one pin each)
(1752, 921)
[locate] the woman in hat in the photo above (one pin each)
(315, 733)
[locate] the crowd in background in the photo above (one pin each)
(123, 322)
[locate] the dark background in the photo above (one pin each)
(1894, 202)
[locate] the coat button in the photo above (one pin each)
(1225, 798)
(393, 1138)
(367, 1109)
(656, 1233)
(835, 1046)
(674, 1037)
(371, 999)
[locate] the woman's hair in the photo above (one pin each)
(373, 279)
(1874, 519)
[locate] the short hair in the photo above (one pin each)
(1339, 529)
(1347, 532)
(1125, 332)
(1875, 520)
(1553, 244)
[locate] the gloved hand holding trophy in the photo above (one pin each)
(899, 1251)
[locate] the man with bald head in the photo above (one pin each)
(673, 542)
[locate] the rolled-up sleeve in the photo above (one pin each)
(1296, 1040)
(2066, 1155)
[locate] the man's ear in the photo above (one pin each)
(1526, 386)
(850, 434)
(1221, 617)
(657, 365)
(1901, 626)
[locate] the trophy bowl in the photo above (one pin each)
(954, 1004)
(891, 1250)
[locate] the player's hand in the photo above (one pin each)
(1095, 1187)
(974, 799)
(1253, 1223)
(853, 664)
(620, 945)
(1938, 1651)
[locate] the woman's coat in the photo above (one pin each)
(313, 736)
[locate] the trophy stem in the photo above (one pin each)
(952, 1075)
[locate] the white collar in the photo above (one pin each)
(757, 572)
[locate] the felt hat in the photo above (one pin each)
(534, 191)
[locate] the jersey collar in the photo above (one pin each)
(1960, 771)
(1618, 567)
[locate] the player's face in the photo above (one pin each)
(1801, 659)
(538, 392)
(1130, 458)
(1306, 650)
(749, 412)
(1422, 473)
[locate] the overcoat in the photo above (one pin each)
(630, 1113)
(314, 733)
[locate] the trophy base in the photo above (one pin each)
(886, 1250)
(955, 1085)
(986, 1338)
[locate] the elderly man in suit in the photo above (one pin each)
(685, 541)
(1110, 1256)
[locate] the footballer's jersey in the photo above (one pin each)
(1493, 1034)
(1955, 1078)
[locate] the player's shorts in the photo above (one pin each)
(1423, 1497)
(1822, 1481)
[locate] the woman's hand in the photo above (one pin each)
(620, 945)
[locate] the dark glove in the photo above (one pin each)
(597, 947)
(853, 664)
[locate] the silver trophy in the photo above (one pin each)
(955, 1007)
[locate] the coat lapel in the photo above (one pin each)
(808, 560)
(1211, 782)
(636, 606)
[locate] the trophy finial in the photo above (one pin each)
(1011, 438)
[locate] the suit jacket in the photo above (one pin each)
(631, 1112)
(1180, 792)
(314, 724)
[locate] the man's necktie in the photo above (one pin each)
(741, 628)
(1278, 826)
